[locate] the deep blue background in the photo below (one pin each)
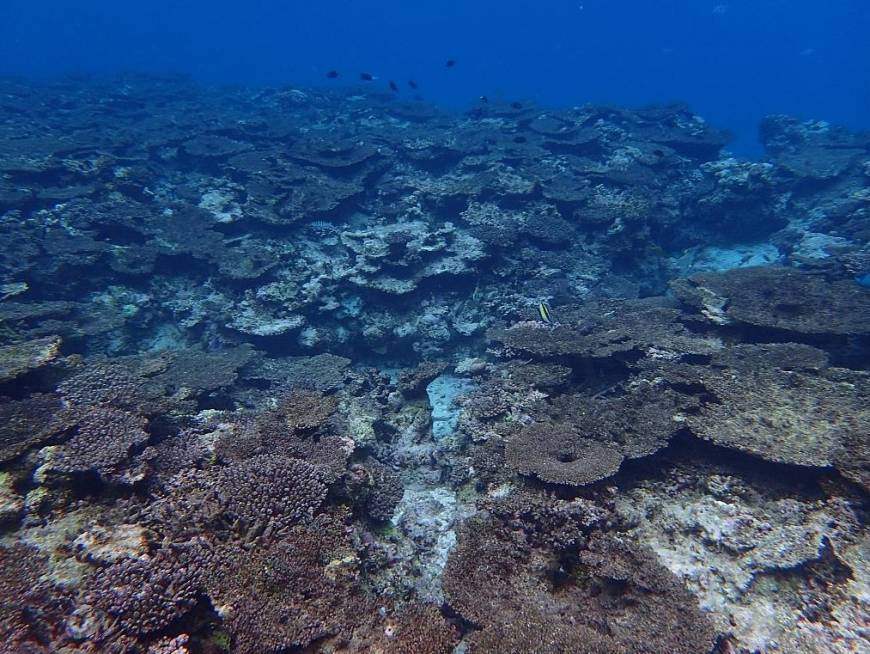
(733, 61)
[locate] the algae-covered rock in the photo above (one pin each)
(19, 358)
(11, 503)
(779, 298)
(784, 408)
(760, 553)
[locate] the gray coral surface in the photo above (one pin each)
(296, 370)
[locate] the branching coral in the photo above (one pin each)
(420, 630)
(103, 442)
(269, 491)
(24, 597)
(291, 592)
(147, 595)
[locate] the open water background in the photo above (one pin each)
(733, 61)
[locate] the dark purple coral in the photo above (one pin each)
(289, 593)
(257, 497)
(602, 595)
(298, 427)
(269, 491)
(28, 603)
(104, 440)
(374, 487)
(103, 382)
(420, 629)
(146, 595)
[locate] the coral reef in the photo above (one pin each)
(604, 595)
(779, 298)
(781, 412)
(19, 358)
(103, 442)
(275, 376)
(587, 440)
(147, 595)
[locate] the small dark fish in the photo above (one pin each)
(393, 86)
(450, 63)
(412, 84)
(333, 74)
(366, 77)
(516, 105)
(484, 99)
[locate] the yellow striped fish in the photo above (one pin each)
(544, 311)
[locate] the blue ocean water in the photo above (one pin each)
(732, 61)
